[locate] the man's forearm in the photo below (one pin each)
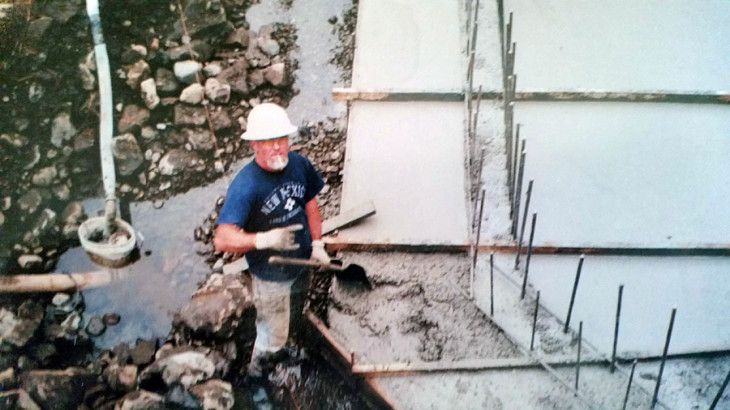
(314, 219)
(231, 238)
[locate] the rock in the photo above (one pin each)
(179, 398)
(176, 161)
(30, 201)
(166, 82)
(14, 139)
(66, 330)
(136, 73)
(256, 78)
(73, 213)
(143, 352)
(189, 115)
(141, 400)
(187, 368)
(212, 69)
(236, 76)
(84, 139)
(221, 120)
(58, 389)
(268, 46)
(87, 68)
(122, 353)
(219, 309)
(214, 394)
(148, 133)
(17, 399)
(96, 326)
(275, 74)
(200, 139)
(111, 319)
(2, 219)
(15, 330)
(29, 262)
(43, 224)
(127, 154)
(202, 51)
(185, 70)
(149, 93)
(238, 38)
(193, 94)
(8, 379)
(121, 377)
(35, 34)
(45, 176)
(43, 353)
(131, 56)
(133, 118)
(63, 11)
(62, 129)
(205, 20)
(61, 299)
(217, 92)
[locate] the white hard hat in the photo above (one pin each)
(267, 121)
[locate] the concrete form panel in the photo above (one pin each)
(621, 45)
(408, 45)
(637, 175)
(488, 59)
(408, 158)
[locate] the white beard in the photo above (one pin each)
(278, 162)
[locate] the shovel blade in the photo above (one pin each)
(354, 275)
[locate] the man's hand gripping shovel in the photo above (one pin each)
(350, 274)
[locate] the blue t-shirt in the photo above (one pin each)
(259, 200)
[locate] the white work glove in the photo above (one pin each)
(280, 239)
(318, 253)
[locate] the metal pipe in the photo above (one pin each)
(719, 393)
(664, 359)
(529, 254)
(572, 296)
(628, 386)
(518, 192)
(615, 331)
(577, 363)
(534, 321)
(524, 222)
(491, 284)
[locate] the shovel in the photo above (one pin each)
(351, 273)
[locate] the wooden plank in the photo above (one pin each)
(57, 282)
(394, 369)
(349, 217)
(690, 97)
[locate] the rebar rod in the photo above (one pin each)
(479, 186)
(476, 248)
(534, 321)
(529, 254)
(518, 192)
(524, 222)
(719, 393)
(577, 363)
(664, 358)
(508, 119)
(628, 386)
(615, 331)
(516, 153)
(572, 296)
(491, 284)
(508, 34)
(476, 117)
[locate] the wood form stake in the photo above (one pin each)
(518, 192)
(524, 222)
(491, 284)
(628, 386)
(534, 321)
(529, 254)
(664, 358)
(572, 295)
(577, 363)
(719, 393)
(615, 331)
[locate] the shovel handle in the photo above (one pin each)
(280, 260)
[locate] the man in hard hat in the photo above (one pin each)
(270, 209)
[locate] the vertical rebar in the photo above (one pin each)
(577, 363)
(476, 113)
(475, 27)
(476, 247)
(479, 186)
(491, 284)
(524, 222)
(511, 58)
(719, 393)
(572, 296)
(628, 386)
(534, 321)
(516, 151)
(518, 193)
(529, 254)
(508, 118)
(508, 34)
(615, 331)
(664, 359)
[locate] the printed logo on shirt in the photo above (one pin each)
(285, 194)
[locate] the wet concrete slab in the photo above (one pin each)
(408, 45)
(408, 158)
(621, 45)
(634, 175)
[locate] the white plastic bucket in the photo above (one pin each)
(114, 253)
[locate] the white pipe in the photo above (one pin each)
(106, 122)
